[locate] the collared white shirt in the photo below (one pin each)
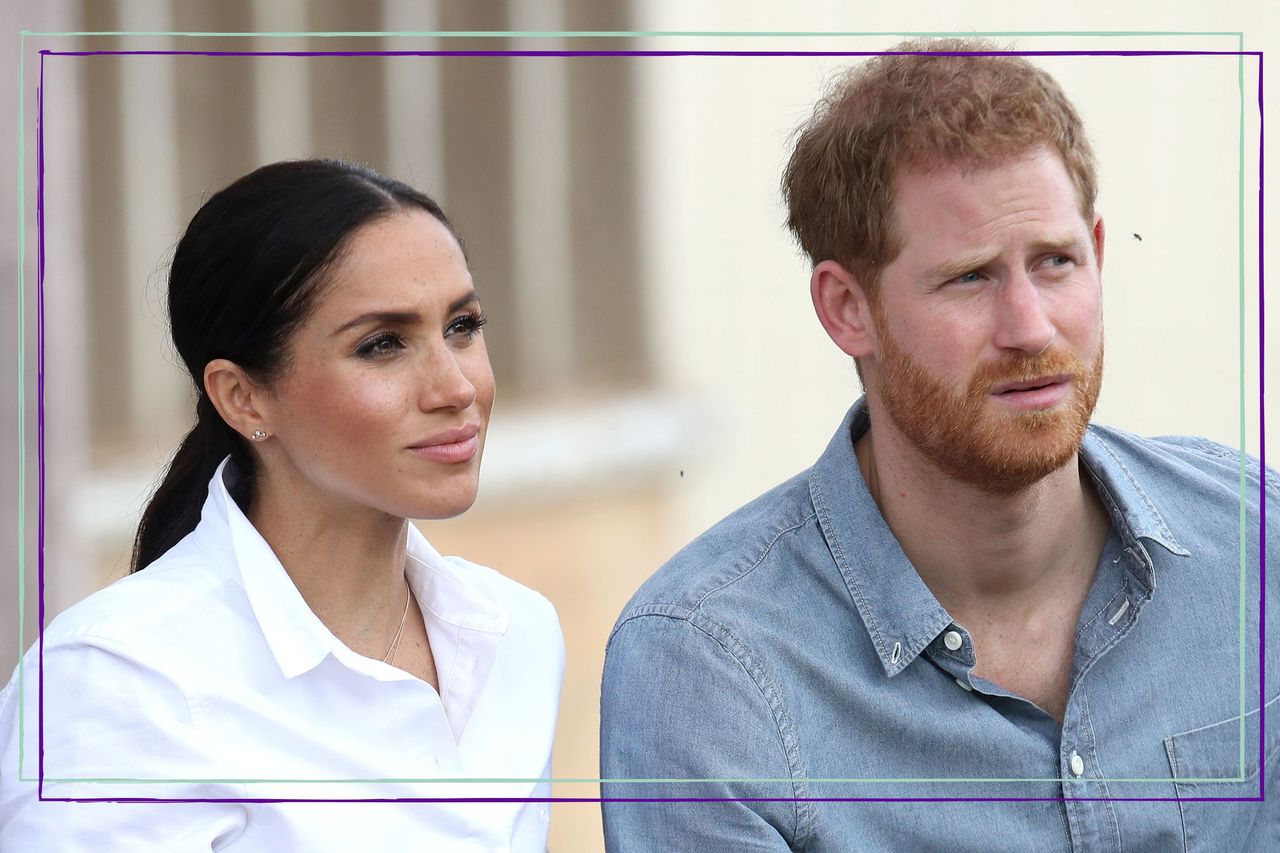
(207, 677)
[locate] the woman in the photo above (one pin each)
(284, 622)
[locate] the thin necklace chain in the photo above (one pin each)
(395, 641)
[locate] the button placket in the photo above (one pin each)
(1091, 817)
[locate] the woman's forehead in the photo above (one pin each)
(408, 257)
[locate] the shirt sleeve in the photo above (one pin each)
(678, 704)
(105, 716)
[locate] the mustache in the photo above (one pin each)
(1024, 368)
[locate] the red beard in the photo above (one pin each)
(969, 436)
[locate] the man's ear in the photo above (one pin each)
(843, 309)
(1099, 238)
(236, 397)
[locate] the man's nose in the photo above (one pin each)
(1022, 322)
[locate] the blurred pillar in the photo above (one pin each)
(542, 248)
(415, 129)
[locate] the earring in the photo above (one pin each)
(258, 435)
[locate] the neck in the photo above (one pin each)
(346, 561)
(984, 553)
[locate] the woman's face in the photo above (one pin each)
(386, 399)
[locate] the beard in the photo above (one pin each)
(974, 439)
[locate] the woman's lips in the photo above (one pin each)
(452, 447)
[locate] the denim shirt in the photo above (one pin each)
(791, 660)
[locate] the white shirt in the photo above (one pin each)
(208, 665)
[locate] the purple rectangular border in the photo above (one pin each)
(40, 265)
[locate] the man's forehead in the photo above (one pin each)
(975, 204)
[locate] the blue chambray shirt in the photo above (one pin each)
(793, 655)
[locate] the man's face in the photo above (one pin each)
(989, 322)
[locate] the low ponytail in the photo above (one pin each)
(245, 275)
(174, 509)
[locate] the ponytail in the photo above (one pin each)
(174, 509)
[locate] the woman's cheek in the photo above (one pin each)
(363, 405)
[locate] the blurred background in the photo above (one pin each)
(657, 357)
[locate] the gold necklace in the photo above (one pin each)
(395, 641)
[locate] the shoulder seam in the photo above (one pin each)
(763, 554)
(1247, 461)
(121, 650)
(741, 655)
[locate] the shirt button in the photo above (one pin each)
(952, 640)
(1077, 764)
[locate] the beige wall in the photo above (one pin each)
(749, 339)
(736, 386)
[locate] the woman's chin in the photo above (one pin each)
(439, 507)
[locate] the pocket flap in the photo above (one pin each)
(1223, 752)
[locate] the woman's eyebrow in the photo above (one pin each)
(397, 318)
(467, 299)
(402, 318)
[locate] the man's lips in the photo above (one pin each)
(1032, 384)
(453, 445)
(1042, 393)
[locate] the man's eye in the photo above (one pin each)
(1058, 260)
(968, 278)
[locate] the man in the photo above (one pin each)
(974, 593)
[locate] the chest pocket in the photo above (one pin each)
(1206, 763)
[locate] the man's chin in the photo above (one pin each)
(1010, 476)
(1020, 450)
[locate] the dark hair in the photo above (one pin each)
(245, 276)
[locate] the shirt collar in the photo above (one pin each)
(299, 641)
(1131, 507)
(901, 615)
(464, 626)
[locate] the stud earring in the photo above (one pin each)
(258, 435)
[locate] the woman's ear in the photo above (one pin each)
(238, 399)
(843, 309)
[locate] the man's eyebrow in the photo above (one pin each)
(965, 263)
(978, 259)
(402, 318)
(1063, 243)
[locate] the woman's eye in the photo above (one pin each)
(380, 345)
(468, 325)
